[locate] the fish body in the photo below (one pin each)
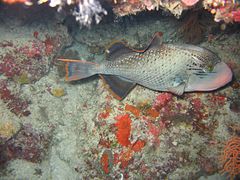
(161, 67)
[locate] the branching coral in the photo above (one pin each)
(231, 157)
(192, 30)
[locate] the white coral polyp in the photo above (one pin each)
(87, 10)
(54, 3)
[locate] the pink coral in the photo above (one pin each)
(162, 100)
(236, 15)
(190, 2)
(8, 66)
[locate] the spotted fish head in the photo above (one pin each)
(206, 71)
(210, 78)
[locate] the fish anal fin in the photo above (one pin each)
(178, 90)
(156, 41)
(119, 87)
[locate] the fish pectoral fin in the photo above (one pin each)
(178, 90)
(120, 87)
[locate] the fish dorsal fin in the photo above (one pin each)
(178, 90)
(156, 41)
(120, 87)
(117, 50)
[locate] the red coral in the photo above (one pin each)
(8, 67)
(49, 44)
(123, 129)
(197, 103)
(105, 163)
(138, 145)
(236, 15)
(152, 113)
(134, 110)
(155, 131)
(35, 34)
(33, 50)
(14, 103)
(104, 115)
(218, 100)
(15, 1)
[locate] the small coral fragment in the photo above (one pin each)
(58, 92)
(22, 78)
(152, 113)
(134, 110)
(7, 129)
(138, 145)
(123, 129)
(106, 161)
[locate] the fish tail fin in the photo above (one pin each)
(79, 69)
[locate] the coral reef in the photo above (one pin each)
(25, 61)
(26, 144)
(85, 11)
(122, 8)
(223, 10)
(16, 105)
(79, 131)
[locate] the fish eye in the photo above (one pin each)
(210, 68)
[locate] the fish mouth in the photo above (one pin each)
(218, 77)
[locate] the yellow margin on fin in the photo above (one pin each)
(76, 60)
(109, 89)
(67, 72)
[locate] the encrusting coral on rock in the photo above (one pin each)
(88, 11)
